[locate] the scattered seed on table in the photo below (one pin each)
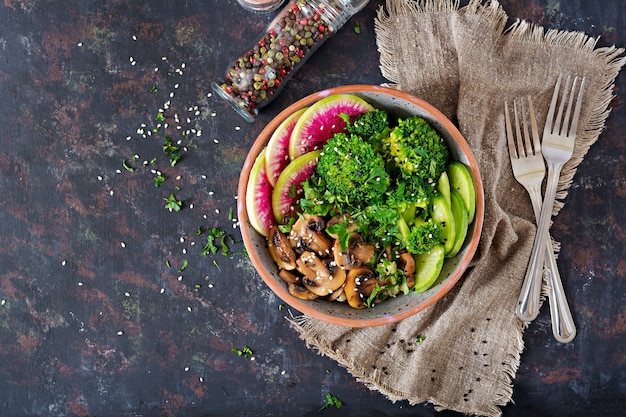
(162, 290)
(127, 294)
(122, 244)
(119, 333)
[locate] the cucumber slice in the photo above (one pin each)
(428, 267)
(461, 222)
(443, 186)
(461, 180)
(441, 212)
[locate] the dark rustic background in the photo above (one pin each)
(108, 305)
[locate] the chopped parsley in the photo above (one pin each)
(330, 401)
(246, 352)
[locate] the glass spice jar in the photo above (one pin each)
(260, 6)
(255, 78)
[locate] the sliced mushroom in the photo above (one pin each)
(289, 277)
(280, 249)
(406, 262)
(300, 292)
(360, 284)
(357, 252)
(341, 218)
(307, 234)
(321, 276)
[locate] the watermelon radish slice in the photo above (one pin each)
(277, 152)
(321, 121)
(288, 188)
(259, 197)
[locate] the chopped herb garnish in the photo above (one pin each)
(183, 266)
(372, 297)
(420, 339)
(281, 307)
(292, 191)
(154, 89)
(127, 167)
(357, 28)
(231, 214)
(172, 203)
(159, 180)
(168, 264)
(331, 400)
(246, 352)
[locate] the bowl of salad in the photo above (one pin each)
(360, 205)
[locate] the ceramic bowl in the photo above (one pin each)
(397, 104)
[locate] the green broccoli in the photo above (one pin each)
(416, 149)
(372, 127)
(352, 171)
(424, 236)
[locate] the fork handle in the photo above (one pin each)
(528, 302)
(563, 327)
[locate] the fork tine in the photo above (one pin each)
(509, 131)
(521, 151)
(558, 128)
(550, 116)
(574, 126)
(528, 144)
(533, 125)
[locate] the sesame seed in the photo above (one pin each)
(63, 263)
(162, 290)
(186, 369)
(122, 244)
(3, 302)
(127, 294)
(189, 309)
(80, 284)
(119, 333)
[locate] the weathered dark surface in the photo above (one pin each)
(95, 317)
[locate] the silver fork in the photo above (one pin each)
(529, 169)
(559, 137)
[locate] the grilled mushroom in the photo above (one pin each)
(280, 249)
(320, 276)
(307, 234)
(360, 283)
(357, 252)
(300, 292)
(406, 262)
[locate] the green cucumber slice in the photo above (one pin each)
(461, 222)
(441, 212)
(461, 180)
(428, 267)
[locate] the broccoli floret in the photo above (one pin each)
(353, 173)
(409, 195)
(424, 236)
(372, 127)
(416, 148)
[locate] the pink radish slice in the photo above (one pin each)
(259, 197)
(277, 151)
(288, 188)
(321, 121)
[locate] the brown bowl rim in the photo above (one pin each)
(307, 308)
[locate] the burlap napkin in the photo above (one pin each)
(465, 63)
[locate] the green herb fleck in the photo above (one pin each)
(246, 352)
(420, 339)
(159, 180)
(357, 28)
(154, 89)
(172, 203)
(127, 167)
(281, 307)
(331, 400)
(183, 266)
